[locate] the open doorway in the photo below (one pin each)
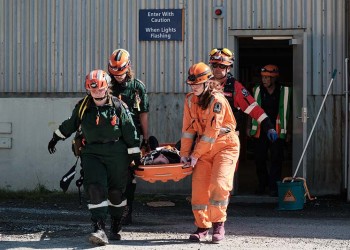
(252, 56)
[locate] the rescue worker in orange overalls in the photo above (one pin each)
(239, 98)
(209, 118)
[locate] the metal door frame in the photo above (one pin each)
(299, 38)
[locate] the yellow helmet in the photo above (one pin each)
(199, 73)
(270, 70)
(221, 56)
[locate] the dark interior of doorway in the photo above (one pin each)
(252, 56)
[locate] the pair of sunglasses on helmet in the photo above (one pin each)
(225, 51)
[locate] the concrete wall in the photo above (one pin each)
(28, 163)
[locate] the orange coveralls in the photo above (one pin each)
(217, 155)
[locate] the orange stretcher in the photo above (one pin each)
(163, 172)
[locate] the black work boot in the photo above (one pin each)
(218, 232)
(127, 215)
(98, 237)
(200, 234)
(116, 228)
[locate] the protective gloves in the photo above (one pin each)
(193, 161)
(189, 161)
(272, 135)
(185, 160)
(145, 146)
(135, 160)
(52, 144)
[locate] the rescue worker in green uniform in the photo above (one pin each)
(111, 142)
(133, 92)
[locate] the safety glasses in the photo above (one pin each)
(192, 77)
(221, 66)
(269, 71)
(119, 69)
(225, 51)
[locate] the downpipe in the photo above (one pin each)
(346, 171)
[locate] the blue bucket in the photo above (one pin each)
(291, 195)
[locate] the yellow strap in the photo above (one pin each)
(83, 107)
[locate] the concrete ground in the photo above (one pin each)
(60, 223)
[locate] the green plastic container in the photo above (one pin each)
(291, 195)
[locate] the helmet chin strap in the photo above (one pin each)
(101, 98)
(205, 88)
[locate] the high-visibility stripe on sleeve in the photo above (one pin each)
(207, 139)
(188, 135)
(262, 117)
(250, 108)
(59, 134)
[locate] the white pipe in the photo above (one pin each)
(313, 127)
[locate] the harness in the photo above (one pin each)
(78, 142)
(229, 93)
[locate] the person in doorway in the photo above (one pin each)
(208, 118)
(133, 92)
(275, 99)
(239, 98)
(110, 142)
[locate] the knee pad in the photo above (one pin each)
(96, 194)
(116, 197)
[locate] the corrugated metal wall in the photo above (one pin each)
(49, 46)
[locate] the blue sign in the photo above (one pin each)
(161, 24)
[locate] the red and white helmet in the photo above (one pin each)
(97, 79)
(119, 62)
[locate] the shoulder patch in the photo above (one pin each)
(245, 92)
(217, 107)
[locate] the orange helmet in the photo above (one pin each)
(97, 79)
(199, 73)
(270, 70)
(119, 62)
(221, 56)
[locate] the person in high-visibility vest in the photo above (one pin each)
(275, 99)
(208, 120)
